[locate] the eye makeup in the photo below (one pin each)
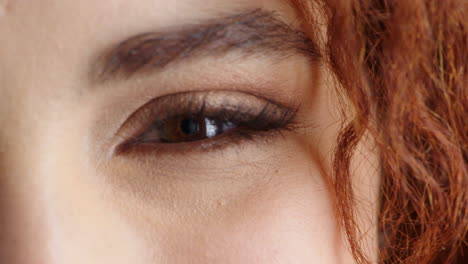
(201, 121)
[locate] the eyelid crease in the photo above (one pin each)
(253, 32)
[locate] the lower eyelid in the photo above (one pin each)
(234, 138)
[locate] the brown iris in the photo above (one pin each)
(187, 128)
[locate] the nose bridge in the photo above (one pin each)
(23, 238)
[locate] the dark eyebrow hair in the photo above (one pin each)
(253, 32)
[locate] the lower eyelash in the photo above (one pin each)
(232, 138)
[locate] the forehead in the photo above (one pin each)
(115, 16)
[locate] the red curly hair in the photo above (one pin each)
(403, 66)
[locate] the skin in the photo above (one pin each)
(66, 197)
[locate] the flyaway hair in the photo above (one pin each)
(403, 67)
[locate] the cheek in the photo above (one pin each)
(287, 222)
(283, 230)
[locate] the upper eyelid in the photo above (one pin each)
(190, 96)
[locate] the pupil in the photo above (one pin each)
(190, 126)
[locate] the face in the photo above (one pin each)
(193, 131)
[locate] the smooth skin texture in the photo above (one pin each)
(67, 197)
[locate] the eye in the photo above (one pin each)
(183, 121)
(187, 128)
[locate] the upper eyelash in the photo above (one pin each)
(273, 116)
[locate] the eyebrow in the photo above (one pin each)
(253, 32)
